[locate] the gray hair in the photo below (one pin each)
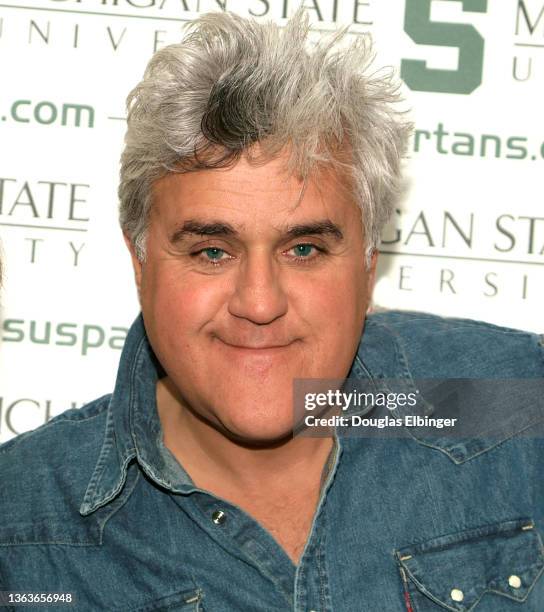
(233, 82)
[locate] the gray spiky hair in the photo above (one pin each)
(233, 82)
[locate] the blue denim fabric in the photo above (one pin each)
(92, 503)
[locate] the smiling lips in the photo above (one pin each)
(255, 347)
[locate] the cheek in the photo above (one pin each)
(334, 310)
(180, 305)
(334, 302)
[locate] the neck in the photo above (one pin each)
(218, 463)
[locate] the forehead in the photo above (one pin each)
(248, 191)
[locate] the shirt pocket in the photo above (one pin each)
(491, 568)
(186, 601)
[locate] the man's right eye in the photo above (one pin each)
(212, 255)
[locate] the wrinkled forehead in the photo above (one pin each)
(260, 173)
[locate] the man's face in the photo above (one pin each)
(246, 287)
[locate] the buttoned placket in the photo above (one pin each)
(305, 587)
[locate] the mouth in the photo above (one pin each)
(256, 348)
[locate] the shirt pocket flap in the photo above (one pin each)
(456, 570)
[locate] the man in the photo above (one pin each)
(255, 181)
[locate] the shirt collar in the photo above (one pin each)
(133, 428)
(381, 360)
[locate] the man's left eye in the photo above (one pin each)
(304, 251)
(213, 253)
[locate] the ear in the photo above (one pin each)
(136, 263)
(371, 278)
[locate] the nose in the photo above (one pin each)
(258, 296)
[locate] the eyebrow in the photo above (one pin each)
(192, 227)
(201, 228)
(317, 228)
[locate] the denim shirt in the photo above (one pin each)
(93, 504)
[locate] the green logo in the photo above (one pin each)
(83, 337)
(423, 31)
(46, 113)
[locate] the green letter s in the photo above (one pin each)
(423, 31)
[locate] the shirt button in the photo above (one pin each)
(219, 517)
(514, 581)
(457, 595)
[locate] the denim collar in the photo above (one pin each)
(133, 429)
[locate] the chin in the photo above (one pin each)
(249, 423)
(252, 438)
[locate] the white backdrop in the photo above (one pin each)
(467, 240)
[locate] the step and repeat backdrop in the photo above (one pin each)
(467, 240)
